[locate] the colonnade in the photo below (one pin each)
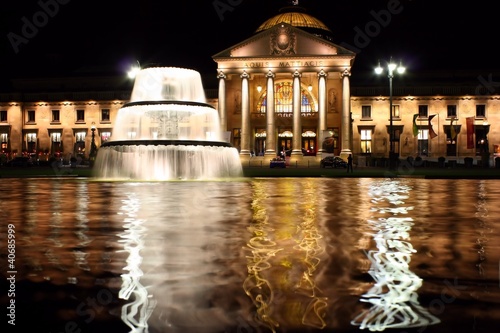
(270, 76)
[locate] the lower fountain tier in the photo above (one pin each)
(167, 160)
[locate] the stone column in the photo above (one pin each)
(346, 116)
(322, 118)
(222, 101)
(297, 126)
(271, 126)
(245, 114)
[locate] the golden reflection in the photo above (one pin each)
(393, 297)
(482, 227)
(284, 257)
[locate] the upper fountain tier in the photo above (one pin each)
(168, 84)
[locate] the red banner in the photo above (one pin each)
(470, 132)
(432, 134)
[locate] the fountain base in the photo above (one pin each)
(168, 160)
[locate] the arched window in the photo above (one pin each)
(283, 99)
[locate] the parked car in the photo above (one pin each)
(20, 161)
(333, 162)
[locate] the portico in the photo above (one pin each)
(285, 89)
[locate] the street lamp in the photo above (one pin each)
(134, 70)
(391, 67)
(93, 147)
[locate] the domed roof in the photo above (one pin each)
(296, 16)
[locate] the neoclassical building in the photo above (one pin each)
(287, 89)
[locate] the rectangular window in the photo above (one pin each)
(31, 116)
(451, 111)
(395, 112)
(105, 136)
(80, 143)
(31, 142)
(55, 116)
(4, 141)
(3, 116)
(80, 116)
(423, 142)
(105, 116)
(56, 137)
(480, 111)
(366, 141)
(423, 111)
(366, 112)
(56, 143)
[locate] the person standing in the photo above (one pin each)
(349, 163)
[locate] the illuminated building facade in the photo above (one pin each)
(285, 90)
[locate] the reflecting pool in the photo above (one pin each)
(251, 255)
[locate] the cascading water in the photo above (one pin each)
(166, 132)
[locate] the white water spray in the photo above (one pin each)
(166, 132)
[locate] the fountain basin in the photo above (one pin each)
(167, 131)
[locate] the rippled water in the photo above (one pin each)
(251, 255)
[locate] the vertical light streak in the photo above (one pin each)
(393, 297)
(134, 314)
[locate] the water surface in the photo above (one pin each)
(252, 255)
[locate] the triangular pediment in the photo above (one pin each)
(283, 40)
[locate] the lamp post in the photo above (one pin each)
(391, 67)
(134, 70)
(93, 147)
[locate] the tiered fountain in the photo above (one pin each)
(167, 132)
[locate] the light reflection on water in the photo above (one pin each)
(256, 255)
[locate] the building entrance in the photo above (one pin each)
(284, 145)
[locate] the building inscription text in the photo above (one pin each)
(263, 64)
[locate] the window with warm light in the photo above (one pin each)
(423, 141)
(31, 142)
(4, 138)
(56, 137)
(80, 136)
(366, 141)
(283, 100)
(80, 143)
(395, 112)
(105, 136)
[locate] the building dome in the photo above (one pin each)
(296, 16)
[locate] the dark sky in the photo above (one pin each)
(87, 36)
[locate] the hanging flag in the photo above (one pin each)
(432, 134)
(415, 127)
(470, 132)
(453, 130)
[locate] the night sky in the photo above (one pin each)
(87, 37)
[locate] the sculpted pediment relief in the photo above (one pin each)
(283, 40)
